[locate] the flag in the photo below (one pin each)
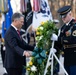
(36, 5)
(28, 16)
(7, 21)
(3, 6)
(23, 5)
(43, 15)
(15, 4)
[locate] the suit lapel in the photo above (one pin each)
(15, 32)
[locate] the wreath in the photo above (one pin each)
(37, 63)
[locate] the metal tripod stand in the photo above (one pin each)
(51, 57)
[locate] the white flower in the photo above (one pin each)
(27, 64)
(41, 28)
(40, 37)
(33, 68)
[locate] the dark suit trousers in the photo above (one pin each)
(14, 71)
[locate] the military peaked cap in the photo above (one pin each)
(64, 10)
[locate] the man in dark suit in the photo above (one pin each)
(16, 48)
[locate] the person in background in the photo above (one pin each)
(66, 40)
(2, 53)
(31, 36)
(16, 48)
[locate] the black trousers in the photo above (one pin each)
(14, 71)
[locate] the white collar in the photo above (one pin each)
(68, 22)
(14, 27)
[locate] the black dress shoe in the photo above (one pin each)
(5, 74)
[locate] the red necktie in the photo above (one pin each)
(19, 33)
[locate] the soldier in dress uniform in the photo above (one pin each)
(67, 39)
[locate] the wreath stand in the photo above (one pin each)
(51, 57)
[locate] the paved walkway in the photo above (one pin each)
(1, 69)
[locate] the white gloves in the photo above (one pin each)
(4, 48)
(54, 37)
(54, 50)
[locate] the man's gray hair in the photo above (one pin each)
(17, 16)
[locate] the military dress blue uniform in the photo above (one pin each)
(67, 42)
